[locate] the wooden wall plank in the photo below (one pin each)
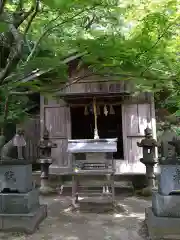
(60, 156)
(98, 87)
(55, 121)
(131, 116)
(136, 118)
(32, 136)
(134, 152)
(55, 115)
(144, 115)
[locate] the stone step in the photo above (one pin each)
(96, 204)
(120, 186)
(96, 200)
(93, 193)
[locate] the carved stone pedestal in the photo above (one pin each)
(165, 206)
(162, 227)
(20, 210)
(150, 176)
(45, 188)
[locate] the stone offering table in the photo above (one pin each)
(163, 218)
(19, 199)
(96, 163)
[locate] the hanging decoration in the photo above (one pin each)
(105, 110)
(86, 111)
(96, 136)
(91, 110)
(98, 110)
(111, 110)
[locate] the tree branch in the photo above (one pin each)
(20, 6)
(157, 41)
(14, 53)
(6, 108)
(2, 5)
(22, 93)
(50, 29)
(32, 17)
(21, 16)
(73, 81)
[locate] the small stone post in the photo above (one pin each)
(148, 144)
(45, 160)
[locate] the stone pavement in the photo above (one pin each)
(63, 224)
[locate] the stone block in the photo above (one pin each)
(169, 179)
(26, 223)
(16, 177)
(165, 206)
(159, 228)
(96, 204)
(14, 203)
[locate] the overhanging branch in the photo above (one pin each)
(53, 27)
(14, 53)
(2, 5)
(32, 17)
(157, 41)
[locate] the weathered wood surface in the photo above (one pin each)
(99, 87)
(32, 136)
(106, 89)
(138, 111)
(136, 117)
(83, 80)
(55, 115)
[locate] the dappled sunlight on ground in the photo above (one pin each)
(139, 216)
(125, 223)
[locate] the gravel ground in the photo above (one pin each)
(63, 224)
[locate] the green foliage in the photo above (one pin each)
(177, 130)
(17, 109)
(3, 27)
(134, 38)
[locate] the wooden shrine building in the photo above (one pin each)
(120, 114)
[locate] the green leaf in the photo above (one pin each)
(3, 27)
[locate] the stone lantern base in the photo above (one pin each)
(147, 191)
(45, 188)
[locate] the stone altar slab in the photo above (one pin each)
(14, 203)
(165, 206)
(92, 145)
(169, 179)
(162, 227)
(11, 177)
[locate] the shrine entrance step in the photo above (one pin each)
(96, 204)
(96, 186)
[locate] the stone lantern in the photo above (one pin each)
(45, 160)
(149, 160)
